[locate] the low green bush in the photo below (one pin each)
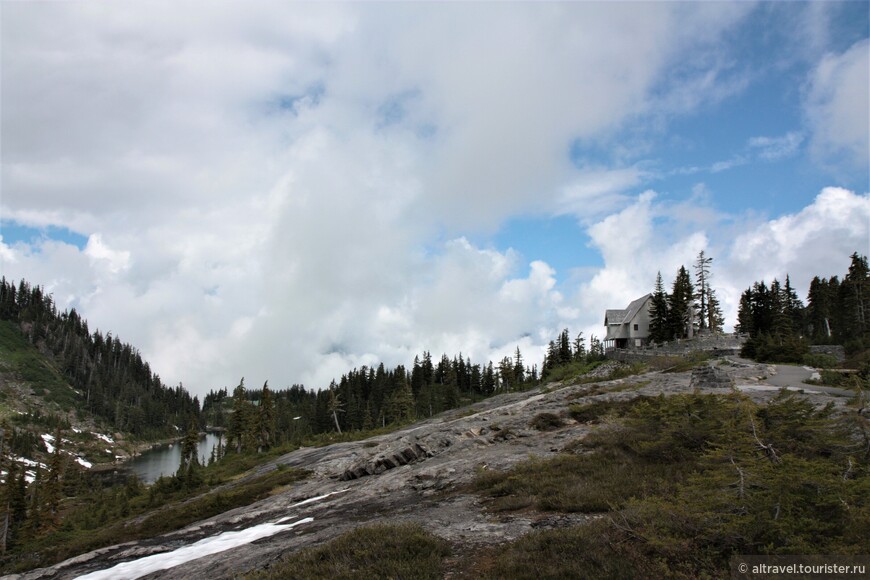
(546, 422)
(403, 550)
(820, 361)
(594, 411)
(685, 482)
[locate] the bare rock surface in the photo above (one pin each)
(418, 473)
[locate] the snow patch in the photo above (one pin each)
(318, 498)
(84, 463)
(204, 547)
(46, 440)
(102, 437)
(28, 462)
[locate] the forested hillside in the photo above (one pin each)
(110, 378)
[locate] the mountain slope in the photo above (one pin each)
(434, 473)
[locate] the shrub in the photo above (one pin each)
(592, 412)
(546, 422)
(820, 361)
(381, 551)
(689, 480)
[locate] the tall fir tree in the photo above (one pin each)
(266, 418)
(821, 300)
(659, 323)
(239, 421)
(854, 302)
(702, 276)
(715, 318)
(681, 304)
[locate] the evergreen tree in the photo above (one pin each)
(853, 297)
(681, 305)
(564, 348)
(334, 406)
(519, 371)
(188, 468)
(596, 349)
(715, 318)
(795, 311)
(488, 383)
(16, 495)
(702, 275)
(659, 323)
(266, 417)
(239, 421)
(551, 359)
(579, 348)
(53, 484)
(820, 310)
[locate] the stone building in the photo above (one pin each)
(629, 327)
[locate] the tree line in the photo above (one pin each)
(365, 398)
(781, 327)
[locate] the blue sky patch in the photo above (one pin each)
(13, 233)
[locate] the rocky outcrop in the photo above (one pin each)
(388, 460)
(419, 473)
(710, 377)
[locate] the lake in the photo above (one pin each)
(164, 459)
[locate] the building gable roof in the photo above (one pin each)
(616, 317)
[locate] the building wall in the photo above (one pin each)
(641, 319)
(614, 332)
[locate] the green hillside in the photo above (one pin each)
(28, 379)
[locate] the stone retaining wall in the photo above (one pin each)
(716, 344)
(835, 350)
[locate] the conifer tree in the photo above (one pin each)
(702, 275)
(564, 348)
(854, 294)
(659, 322)
(820, 310)
(334, 405)
(239, 420)
(53, 484)
(488, 383)
(681, 304)
(579, 348)
(16, 495)
(266, 418)
(519, 370)
(188, 468)
(715, 318)
(596, 349)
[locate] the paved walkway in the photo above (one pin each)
(793, 377)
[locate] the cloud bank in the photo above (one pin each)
(288, 192)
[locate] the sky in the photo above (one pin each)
(285, 191)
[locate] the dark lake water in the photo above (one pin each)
(164, 459)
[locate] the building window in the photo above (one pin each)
(635, 326)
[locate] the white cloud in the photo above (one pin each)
(283, 193)
(650, 235)
(818, 240)
(102, 256)
(774, 148)
(838, 107)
